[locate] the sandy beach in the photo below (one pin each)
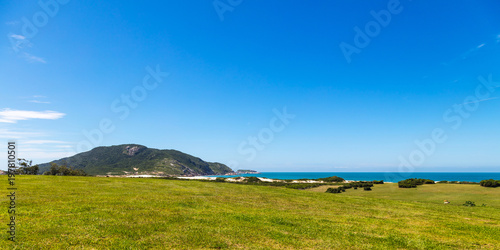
(240, 179)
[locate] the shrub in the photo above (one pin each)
(469, 204)
(252, 179)
(367, 188)
(331, 179)
(367, 184)
(357, 184)
(334, 190)
(426, 181)
(413, 182)
(490, 183)
(220, 179)
(378, 182)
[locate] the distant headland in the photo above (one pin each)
(246, 171)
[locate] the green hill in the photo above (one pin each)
(133, 158)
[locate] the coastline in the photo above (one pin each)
(311, 177)
(371, 176)
(239, 179)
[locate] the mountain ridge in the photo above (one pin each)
(126, 159)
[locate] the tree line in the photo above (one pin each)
(27, 168)
(64, 170)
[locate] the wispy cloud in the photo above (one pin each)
(36, 101)
(471, 51)
(10, 134)
(19, 41)
(39, 97)
(33, 59)
(18, 37)
(12, 116)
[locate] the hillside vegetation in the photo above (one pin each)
(122, 159)
(63, 212)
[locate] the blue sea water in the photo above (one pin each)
(370, 176)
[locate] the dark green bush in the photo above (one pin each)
(469, 204)
(331, 179)
(378, 182)
(220, 179)
(367, 188)
(413, 182)
(252, 179)
(334, 190)
(357, 184)
(490, 183)
(426, 181)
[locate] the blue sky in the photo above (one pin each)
(257, 84)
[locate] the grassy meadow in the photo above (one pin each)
(62, 212)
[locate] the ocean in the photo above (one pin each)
(370, 176)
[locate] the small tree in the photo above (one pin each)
(26, 167)
(54, 169)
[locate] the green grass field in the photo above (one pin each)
(118, 213)
(456, 194)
